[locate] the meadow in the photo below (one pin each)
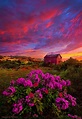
(70, 69)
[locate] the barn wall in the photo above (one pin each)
(53, 60)
(50, 60)
(59, 60)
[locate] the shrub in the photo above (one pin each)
(10, 64)
(40, 95)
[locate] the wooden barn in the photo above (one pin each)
(53, 59)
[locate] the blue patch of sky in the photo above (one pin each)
(7, 3)
(28, 46)
(57, 34)
(42, 42)
(6, 49)
(4, 3)
(31, 45)
(68, 14)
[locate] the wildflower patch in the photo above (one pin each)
(39, 93)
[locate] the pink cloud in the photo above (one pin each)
(49, 24)
(76, 27)
(48, 14)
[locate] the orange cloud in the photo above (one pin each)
(77, 54)
(34, 53)
(79, 58)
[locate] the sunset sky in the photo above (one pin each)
(36, 27)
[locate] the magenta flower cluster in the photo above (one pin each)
(62, 103)
(71, 99)
(9, 91)
(29, 101)
(65, 101)
(74, 116)
(32, 90)
(17, 108)
(25, 83)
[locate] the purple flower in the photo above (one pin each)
(61, 103)
(58, 86)
(12, 82)
(39, 94)
(44, 90)
(17, 108)
(57, 78)
(68, 82)
(31, 104)
(50, 85)
(71, 116)
(21, 100)
(71, 99)
(35, 115)
(63, 82)
(9, 91)
(35, 72)
(37, 79)
(42, 75)
(27, 83)
(29, 101)
(20, 81)
(74, 116)
(52, 77)
(46, 76)
(38, 71)
(29, 75)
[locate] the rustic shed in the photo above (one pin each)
(53, 59)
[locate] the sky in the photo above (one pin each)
(34, 28)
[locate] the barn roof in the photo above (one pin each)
(53, 55)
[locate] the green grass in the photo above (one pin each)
(6, 75)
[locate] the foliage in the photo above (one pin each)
(40, 94)
(10, 64)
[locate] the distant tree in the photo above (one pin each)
(1, 57)
(71, 61)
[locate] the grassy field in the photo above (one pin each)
(6, 75)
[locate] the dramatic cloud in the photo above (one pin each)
(36, 27)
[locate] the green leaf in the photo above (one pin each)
(14, 98)
(28, 90)
(9, 101)
(39, 106)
